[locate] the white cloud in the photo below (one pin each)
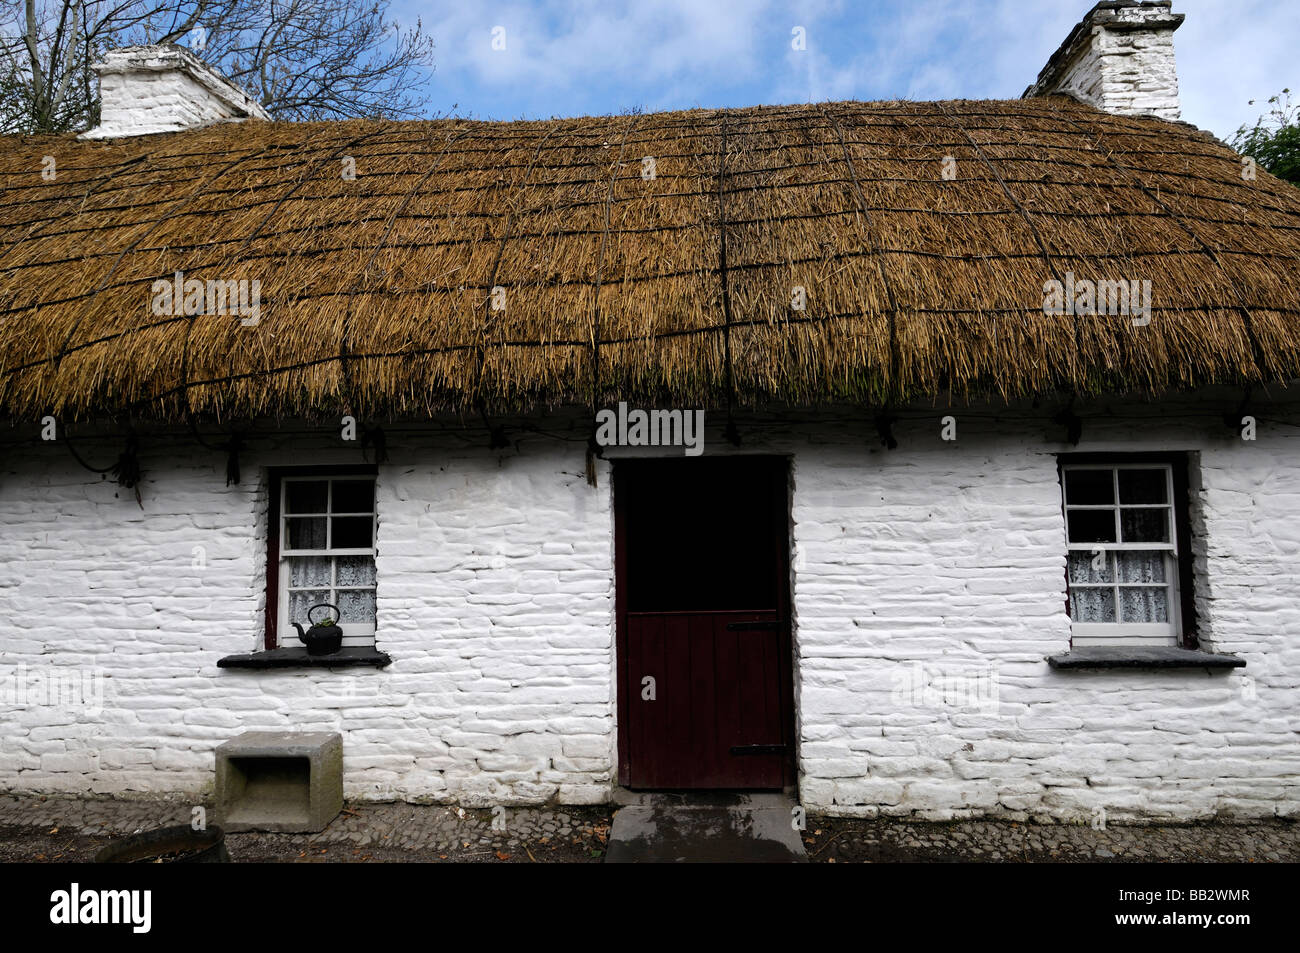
(646, 46)
(666, 54)
(1230, 53)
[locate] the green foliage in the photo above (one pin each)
(1274, 140)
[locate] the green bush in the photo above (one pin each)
(1274, 140)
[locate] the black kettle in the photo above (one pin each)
(321, 639)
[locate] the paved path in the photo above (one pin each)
(850, 840)
(383, 830)
(660, 828)
(71, 829)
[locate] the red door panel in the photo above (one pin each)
(703, 607)
(716, 697)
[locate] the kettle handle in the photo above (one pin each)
(323, 605)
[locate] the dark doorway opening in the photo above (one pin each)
(705, 687)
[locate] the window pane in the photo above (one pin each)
(305, 496)
(1145, 605)
(1089, 487)
(357, 605)
(1092, 605)
(1081, 568)
(309, 571)
(1141, 567)
(306, 533)
(355, 571)
(352, 532)
(1143, 486)
(301, 602)
(1144, 526)
(353, 496)
(1091, 526)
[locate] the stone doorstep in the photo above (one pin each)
(700, 800)
(705, 827)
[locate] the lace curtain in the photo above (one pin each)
(1142, 593)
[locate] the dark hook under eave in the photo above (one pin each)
(594, 450)
(233, 446)
(127, 468)
(1073, 425)
(885, 428)
(375, 437)
(1234, 421)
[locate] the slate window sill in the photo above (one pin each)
(1097, 657)
(297, 657)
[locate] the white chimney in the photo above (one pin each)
(148, 89)
(1119, 58)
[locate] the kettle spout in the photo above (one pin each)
(302, 636)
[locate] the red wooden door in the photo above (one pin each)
(704, 673)
(713, 719)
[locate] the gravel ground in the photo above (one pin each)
(63, 830)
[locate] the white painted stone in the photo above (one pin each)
(502, 687)
(164, 88)
(1119, 58)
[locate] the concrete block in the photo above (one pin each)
(279, 781)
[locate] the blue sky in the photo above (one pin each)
(590, 57)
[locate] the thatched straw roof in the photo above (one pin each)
(676, 289)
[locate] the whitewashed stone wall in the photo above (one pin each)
(954, 557)
(1120, 59)
(496, 602)
(153, 89)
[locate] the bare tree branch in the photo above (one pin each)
(302, 59)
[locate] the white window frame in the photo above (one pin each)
(357, 634)
(1120, 633)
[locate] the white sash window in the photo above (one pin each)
(1122, 569)
(327, 555)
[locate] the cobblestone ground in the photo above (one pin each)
(845, 840)
(47, 829)
(63, 829)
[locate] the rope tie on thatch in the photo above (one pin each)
(203, 189)
(125, 470)
(143, 402)
(112, 269)
(496, 434)
(733, 437)
(766, 187)
(1248, 320)
(439, 158)
(40, 224)
(885, 421)
(231, 448)
(593, 448)
(67, 440)
(334, 153)
(1033, 229)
